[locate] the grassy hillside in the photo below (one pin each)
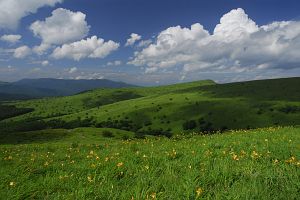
(198, 106)
(78, 135)
(82, 164)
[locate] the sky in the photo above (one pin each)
(150, 42)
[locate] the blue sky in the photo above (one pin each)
(232, 40)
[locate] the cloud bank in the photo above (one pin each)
(237, 44)
(89, 48)
(22, 52)
(12, 11)
(11, 38)
(62, 27)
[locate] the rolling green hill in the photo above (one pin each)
(198, 106)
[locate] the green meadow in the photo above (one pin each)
(83, 164)
(198, 140)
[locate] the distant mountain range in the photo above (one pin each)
(48, 87)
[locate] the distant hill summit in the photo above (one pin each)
(48, 87)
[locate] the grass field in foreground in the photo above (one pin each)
(255, 164)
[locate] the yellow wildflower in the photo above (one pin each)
(243, 153)
(90, 179)
(120, 164)
(8, 158)
(12, 184)
(199, 191)
(291, 160)
(173, 154)
(276, 161)
(235, 157)
(254, 155)
(153, 195)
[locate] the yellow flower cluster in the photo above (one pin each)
(151, 196)
(199, 191)
(12, 184)
(235, 157)
(120, 164)
(292, 160)
(8, 158)
(254, 155)
(90, 179)
(172, 154)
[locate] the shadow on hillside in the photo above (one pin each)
(42, 136)
(8, 111)
(264, 90)
(117, 96)
(228, 114)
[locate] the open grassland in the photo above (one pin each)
(201, 106)
(82, 164)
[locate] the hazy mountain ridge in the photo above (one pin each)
(47, 87)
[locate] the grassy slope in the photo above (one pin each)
(78, 135)
(58, 106)
(257, 164)
(234, 106)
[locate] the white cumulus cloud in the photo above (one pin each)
(12, 11)
(89, 48)
(144, 43)
(22, 52)
(41, 49)
(235, 24)
(237, 44)
(133, 39)
(63, 26)
(114, 63)
(73, 70)
(11, 38)
(45, 62)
